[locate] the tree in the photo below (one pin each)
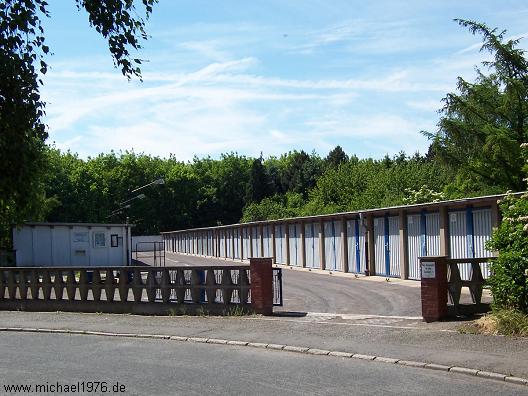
(22, 62)
(300, 172)
(336, 157)
(258, 186)
(484, 123)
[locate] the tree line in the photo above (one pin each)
(232, 188)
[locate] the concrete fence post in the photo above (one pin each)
(261, 273)
(434, 288)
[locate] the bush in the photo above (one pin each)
(508, 280)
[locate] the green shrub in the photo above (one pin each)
(508, 280)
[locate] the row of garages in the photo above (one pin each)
(386, 242)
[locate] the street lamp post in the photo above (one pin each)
(126, 205)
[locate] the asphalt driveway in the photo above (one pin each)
(318, 291)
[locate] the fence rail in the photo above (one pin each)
(136, 289)
(475, 284)
(126, 289)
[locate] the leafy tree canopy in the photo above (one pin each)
(484, 122)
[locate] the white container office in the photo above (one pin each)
(72, 245)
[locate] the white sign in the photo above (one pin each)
(428, 270)
(80, 237)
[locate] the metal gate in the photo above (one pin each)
(277, 287)
(151, 250)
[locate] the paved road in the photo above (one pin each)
(160, 367)
(408, 340)
(337, 293)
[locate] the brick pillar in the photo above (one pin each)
(261, 273)
(434, 288)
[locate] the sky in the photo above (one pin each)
(267, 76)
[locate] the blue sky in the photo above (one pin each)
(267, 76)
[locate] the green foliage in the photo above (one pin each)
(422, 195)
(22, 63)
(118, 22)
(509, 280)
(484, 123)
(276, 207)
(359, 184)
(336, 157)
(21, 110)
(259, 185)
(296, 171)
(370, 184)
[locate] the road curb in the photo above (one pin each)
(481, 374)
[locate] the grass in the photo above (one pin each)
(499, 322)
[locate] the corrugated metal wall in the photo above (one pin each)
(255, 242)
(210, 243)
(229, 239)
(245, 236)
(394, 246)
(414, 244)
(223, 243)
(432, 222)
(280, 244)
(311, 241)
(482, 230)
(468, 232)
(333, 245)
(468, 229)
(387, 245)
(356, 247)
(294, 236)
(423, 239)
(266, 231)
(379, 245)
(458, 241)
